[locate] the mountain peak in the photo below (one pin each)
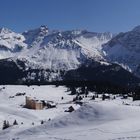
(137, 28)
(44, 27)
(5, 30)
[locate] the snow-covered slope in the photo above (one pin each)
(11, 43)
(42, 48)
(125, 50)
(52, 52)
(62, 50)
(44, 55)
(113, 119)
(56, 50)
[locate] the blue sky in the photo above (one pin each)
(94, 15)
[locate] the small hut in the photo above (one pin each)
(33, 104)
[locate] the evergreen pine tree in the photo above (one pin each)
(93, 97)
(42, 122)
(15, 123)
(82, 90)
(86, 91)
(73, 90)
(5, 124)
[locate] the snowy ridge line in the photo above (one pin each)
(124, 49)
(61, 51)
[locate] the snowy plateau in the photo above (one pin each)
(111, 119)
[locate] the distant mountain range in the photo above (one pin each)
(42, 56)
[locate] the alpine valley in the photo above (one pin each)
(41, 56)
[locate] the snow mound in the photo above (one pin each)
(93, 114)
(88, 114)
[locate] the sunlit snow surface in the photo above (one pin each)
(53, 50)
(95, 120)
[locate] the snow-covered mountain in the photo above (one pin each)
(41, 55)
(55, 52)
(62, 50)
(11, 43)
(124, 49)
(52, 49)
